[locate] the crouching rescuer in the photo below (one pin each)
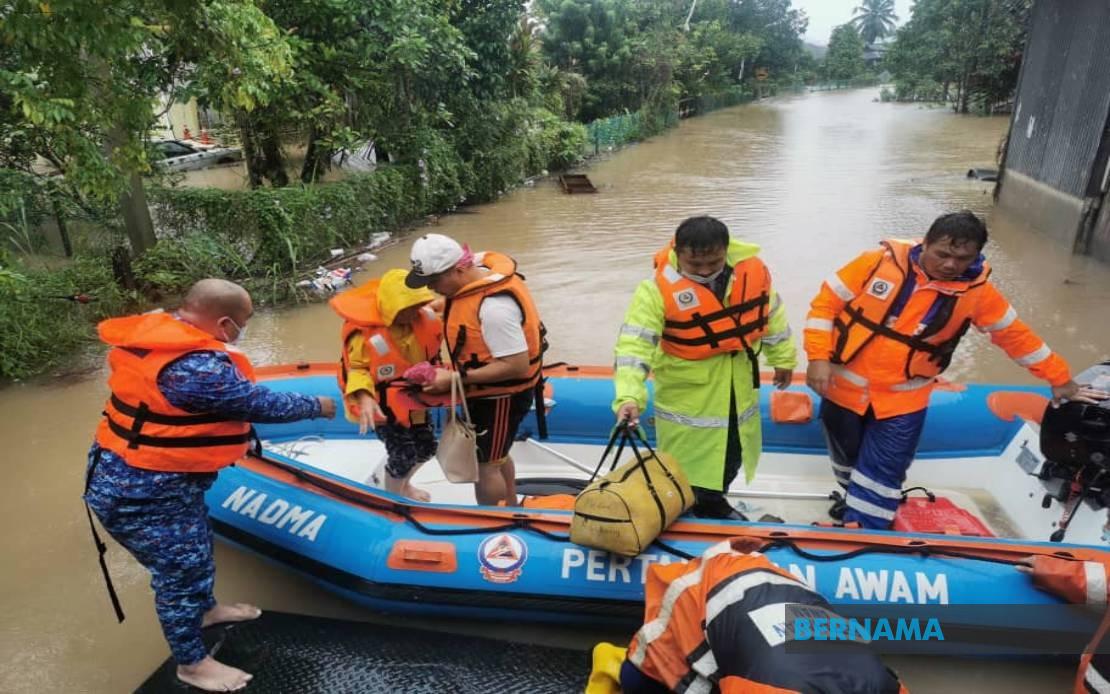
(720, 623)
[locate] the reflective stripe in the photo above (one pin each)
(735, 590)
(1096, 582)
(775, 339)
(835, 284)
(706, 665)
(849, 376)
(671, 274)
(1007, 319)
(633, 362)
(1095, 680)
(640, 333)
(913, 384)
(871, 485)
(823, 324)
(843, 469)
(698, 686)
(695, 422)
(652, 630)
(379, 344)
(1035, 357)
(776, 302)
(706, 668)
(870, 508)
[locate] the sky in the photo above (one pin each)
(824, 15)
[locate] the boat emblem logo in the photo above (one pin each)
(879, 288)
(686, 299)
(501, 558)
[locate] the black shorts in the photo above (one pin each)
(497, 420)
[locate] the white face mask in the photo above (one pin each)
(239, 332)
(703, 279)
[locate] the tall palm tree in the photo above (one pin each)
(875, 19)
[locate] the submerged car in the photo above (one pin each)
(182, 155)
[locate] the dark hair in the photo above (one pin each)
(961, 227)
(701, 234)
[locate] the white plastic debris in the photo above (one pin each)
(367, 258)
(378, 239)
(328, 281)
(336, 252)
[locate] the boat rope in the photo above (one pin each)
(922, 550)
(405, 512)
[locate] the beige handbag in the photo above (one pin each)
(458, 442)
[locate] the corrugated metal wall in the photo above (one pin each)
(1064, 95)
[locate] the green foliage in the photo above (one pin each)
(40, 331)
(963, 52)
(844, 59)
(77, 75)
(875, 19)
(635, 54)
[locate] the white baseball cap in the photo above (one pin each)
(432, 254)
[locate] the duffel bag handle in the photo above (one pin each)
(620, 431)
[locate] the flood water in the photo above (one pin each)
(814, 179)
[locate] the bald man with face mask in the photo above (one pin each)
(181, 406)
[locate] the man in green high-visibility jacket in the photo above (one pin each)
(699, 326)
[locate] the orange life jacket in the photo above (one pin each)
(697, 325)
(359, 309)
(139, 424)
(927, 351)
(685, 599)
(463, 331)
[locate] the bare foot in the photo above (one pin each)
(213, 676)
(238, 612)
(417, 493)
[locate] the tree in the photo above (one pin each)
(875, 19)
(974, 46)
(79, 80)
(844, 59)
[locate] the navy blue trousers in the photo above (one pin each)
(869, 458)
(172, 537)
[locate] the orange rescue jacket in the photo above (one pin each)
(697, 325)
(359, 309)
(890, 362)
(463, 327)
(685, 599)
(139, 424)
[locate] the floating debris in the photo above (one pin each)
(576, 183)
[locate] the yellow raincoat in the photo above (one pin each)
(693, 395)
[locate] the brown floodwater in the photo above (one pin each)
(814, 179)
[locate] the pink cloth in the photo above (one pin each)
(467, 259)
(420, 374)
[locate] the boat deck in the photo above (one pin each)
(362, 460)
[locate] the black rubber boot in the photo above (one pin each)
(711, 504)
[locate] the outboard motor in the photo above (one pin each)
(1075, 441)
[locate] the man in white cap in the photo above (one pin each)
(495, 341)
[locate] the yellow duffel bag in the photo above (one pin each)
(624, 511)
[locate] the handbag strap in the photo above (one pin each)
(458, 397)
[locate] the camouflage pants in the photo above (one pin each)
(171, 537)
(406, 447)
